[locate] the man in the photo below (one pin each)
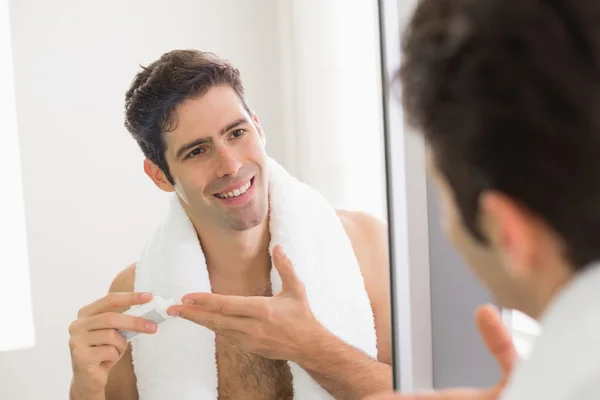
(506, 94)
(189, 115)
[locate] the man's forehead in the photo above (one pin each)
(192, 122)
(213, 110)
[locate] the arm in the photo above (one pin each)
(342, 370)
(369, 238)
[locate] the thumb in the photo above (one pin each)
(290, 281)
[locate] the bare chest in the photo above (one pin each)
(246, 376)
(242, 375)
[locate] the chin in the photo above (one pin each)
(251, 219)
(245, 225)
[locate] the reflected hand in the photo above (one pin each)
(277, 327)
(96, 345)
(498, 341)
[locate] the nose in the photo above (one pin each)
(227, 163)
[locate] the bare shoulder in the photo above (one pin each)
(369, 237)
(124, 281)
(122, 383)
(366, 232)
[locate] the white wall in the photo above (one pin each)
(88, 204)
(333, 107)
(15, 284)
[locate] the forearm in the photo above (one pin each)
(344, 371)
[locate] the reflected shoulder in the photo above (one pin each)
(369, 237)
(364, 228)
(124, 281)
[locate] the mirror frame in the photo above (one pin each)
(435, 341)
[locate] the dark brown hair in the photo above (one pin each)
(160, 87)
(507, 95)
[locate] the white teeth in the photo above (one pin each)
(236, 192)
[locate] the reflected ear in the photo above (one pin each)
(158, 176)
(259, 128)
(512, 230)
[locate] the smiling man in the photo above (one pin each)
(316, 325)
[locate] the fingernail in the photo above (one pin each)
(173, 313)
(145, 296)
(151, 327)
(188, 301)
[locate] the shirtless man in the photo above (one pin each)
(211, 136)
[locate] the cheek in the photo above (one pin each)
(256, 143)
(479, 257)
(190, 187)
(259, 152)
(181, 192)
(193, 177)
(257, 158)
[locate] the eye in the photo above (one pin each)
(238, 133)
(196, 152)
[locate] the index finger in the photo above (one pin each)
(252, 306)
(113, 301)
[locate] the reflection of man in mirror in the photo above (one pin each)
(507, 95)
(283, 296)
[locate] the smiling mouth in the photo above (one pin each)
(237, 192)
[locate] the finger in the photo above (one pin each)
(253, 306)
(102, 354)
(289, 279)
(107, 337)
(114, 320)
(113, 301)
(496, 337)
(214, 321)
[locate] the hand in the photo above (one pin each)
(498, 341)
(275, 327)
(95, 344)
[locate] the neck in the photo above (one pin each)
(237, 254)
(556, 278)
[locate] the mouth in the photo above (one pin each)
(238, 192)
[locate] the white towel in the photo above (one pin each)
(178, 362)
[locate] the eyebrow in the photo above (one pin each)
(205, 140)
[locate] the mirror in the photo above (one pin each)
(289, 153)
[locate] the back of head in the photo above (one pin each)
(163, 85)
(507, 95)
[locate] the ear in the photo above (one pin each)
(513, 231)
(158, 176)
(259, 127)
